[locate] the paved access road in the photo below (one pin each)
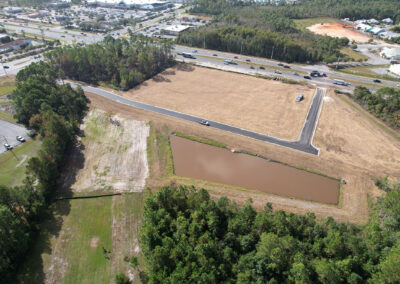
(10, 131)
(304, 143)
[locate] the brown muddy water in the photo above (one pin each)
(200, 161)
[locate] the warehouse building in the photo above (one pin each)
(391, 53)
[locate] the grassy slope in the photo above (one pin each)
(355, 56)
(10, 174)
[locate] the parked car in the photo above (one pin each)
(377, 81)
(20, 139)
(307, 77)
(299, 98)
(277, 72)
(204, 122)
(8, 146)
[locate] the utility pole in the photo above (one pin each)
(204, 41)
(272, 53)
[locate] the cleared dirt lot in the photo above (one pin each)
(338, 30)
(251, 103)
(352, 148)
(112, 155)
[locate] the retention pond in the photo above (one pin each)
(200, 161)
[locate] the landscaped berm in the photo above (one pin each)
(90, 240)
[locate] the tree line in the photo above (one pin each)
(187, 237)
(119, 62)
(384, 104)
(53, 111)
(264, 43)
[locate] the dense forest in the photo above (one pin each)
(384, 104)
(264, 19)
(53, 111)
(263, 43)
(353, 9)
(122, 63)
(187, 237)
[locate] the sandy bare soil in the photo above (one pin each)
(259, 105)
(352, 148)
(113, 155)
(339, 30)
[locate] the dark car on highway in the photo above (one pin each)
(251, 67)
(6, 67)
(281, 64)
(248, 60)
(277, 72)
(307, 77)
(262, 67)
(215, 54)
(204, 122)
(8, 146)
(377, 81)
(286, 66)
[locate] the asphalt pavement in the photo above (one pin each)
(303, 144)
(8, 133)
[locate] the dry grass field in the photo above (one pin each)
(352, 147)
(247, 102)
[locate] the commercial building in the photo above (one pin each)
(395, 69)
(131, 4)
(174, 30)
(14, 45)
(13, 10)
(387, 21)
(377, 30)
(391, 53)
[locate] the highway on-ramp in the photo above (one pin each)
(303, 144)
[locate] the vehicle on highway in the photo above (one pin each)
(262, 67)
(188, 55)
(8, 146)
(377, 81)
(296, 74)
(228, 61)
(281, 64)
(5, 67)
(235, 57)
(204, 122)
(299, 98)
(63, 36)
(195, 51)
(215, 54)
(247, 60)
(20, 139)
(252, 67)
(315, 73)
(340, 82)
(324, 75)
(277, 72)
(307, 77)
(398, 85)
(286, 66)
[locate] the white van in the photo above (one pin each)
(340, 82)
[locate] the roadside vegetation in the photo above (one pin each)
(53, 111)
(279, 32)
(187, 237)
(118, 62)
(365, 71)
(384, 104)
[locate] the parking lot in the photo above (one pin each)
(8, 133)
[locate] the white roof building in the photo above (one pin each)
(391, 53)
(373, 22)
(387, 21)
(175, 29)
(377, 30)
(395, 69)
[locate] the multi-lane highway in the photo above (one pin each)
(303, 143)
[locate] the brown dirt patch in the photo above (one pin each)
(247, 102)
(111, 156)
(352, 148)
(339, 30)
(94, 242)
